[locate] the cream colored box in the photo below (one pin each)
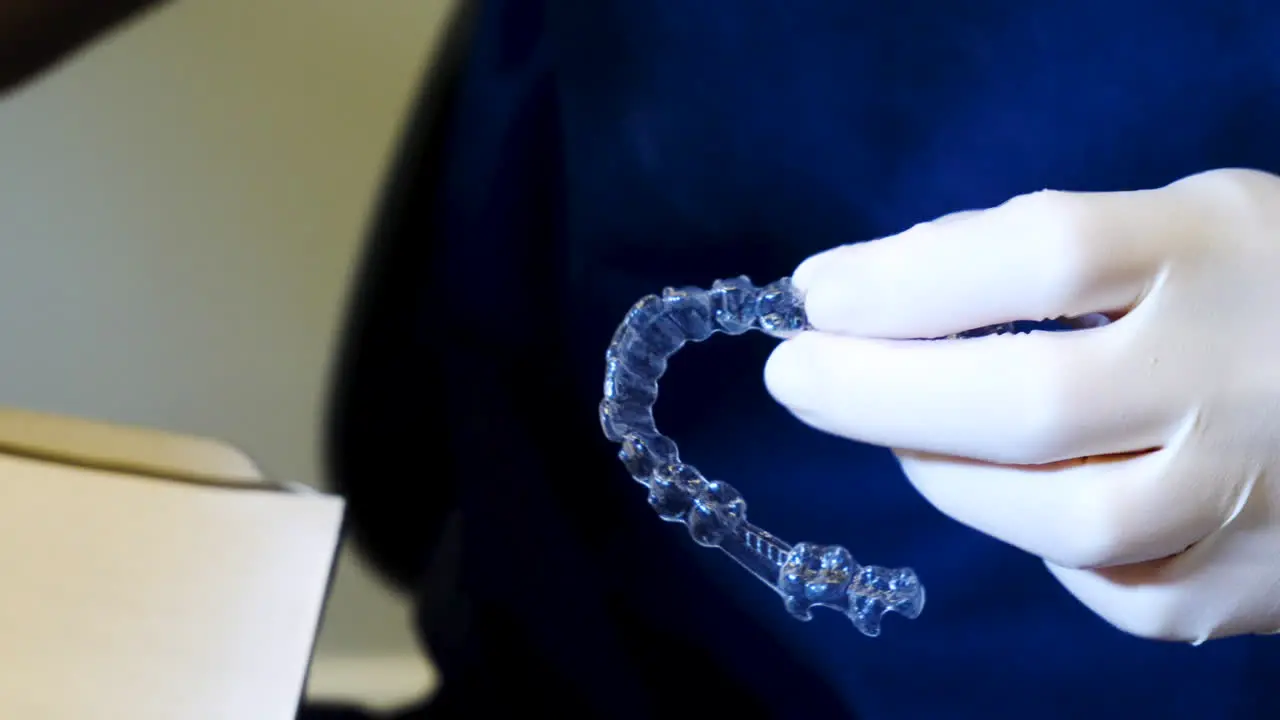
(150, 576)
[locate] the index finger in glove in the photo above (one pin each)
(1039, 256)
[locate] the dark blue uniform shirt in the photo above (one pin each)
(593, 151)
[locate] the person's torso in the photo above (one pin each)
(614, 147)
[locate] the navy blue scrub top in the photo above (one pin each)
(589, 152)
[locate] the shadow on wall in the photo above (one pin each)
(183, 205)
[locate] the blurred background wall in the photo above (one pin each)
(180, 211)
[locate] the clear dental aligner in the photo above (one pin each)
(805, 575)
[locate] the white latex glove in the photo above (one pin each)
(1141, 460)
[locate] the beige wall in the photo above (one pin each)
(180, 209)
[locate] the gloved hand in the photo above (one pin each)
(1141, 459)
